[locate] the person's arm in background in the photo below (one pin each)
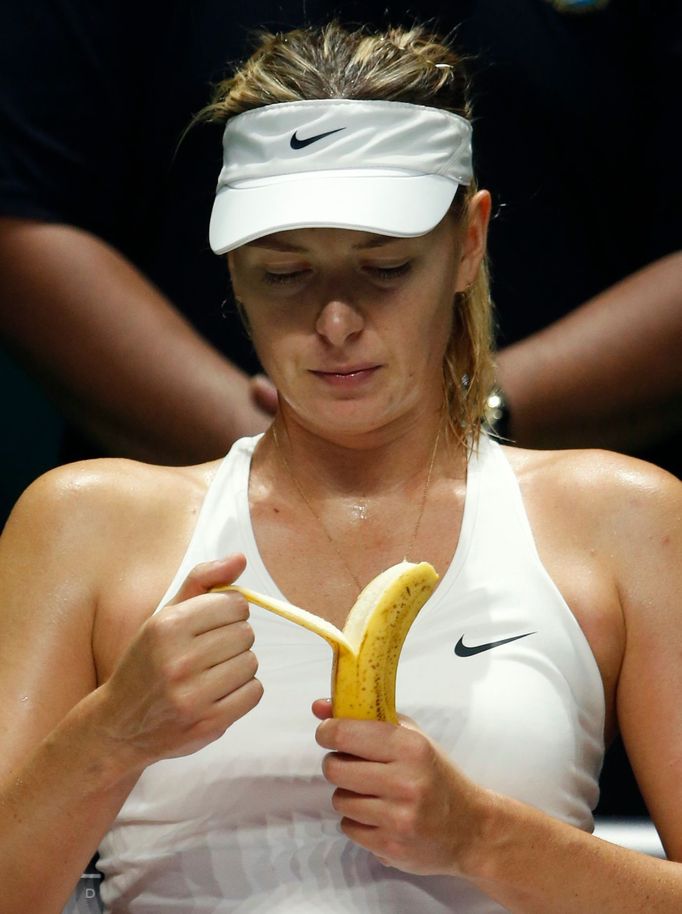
(609, 374)
(90, 177)
(114, 352)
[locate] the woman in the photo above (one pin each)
(355, 240)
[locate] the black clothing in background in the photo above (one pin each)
(577, 135)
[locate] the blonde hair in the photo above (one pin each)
(405, 65)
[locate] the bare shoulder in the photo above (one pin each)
(107, 485)
(628, 510)
(114, 478)
(80, 514)
(600, 484)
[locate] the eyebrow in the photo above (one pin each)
(275, 244)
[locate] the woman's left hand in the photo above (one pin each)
(399, 795)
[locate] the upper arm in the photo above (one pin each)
(647, 533)
(47, 603)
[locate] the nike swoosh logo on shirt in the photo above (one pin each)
(296, 143)
(463, 650)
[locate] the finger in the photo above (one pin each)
(238, 703)
(223, 643)
(368, 739)
(357, 775)
(322, 708)
(368, 836)
(264, 393)
(227, 677)
(217, 612)
(408, 723)
(367, 810)
(198, 615)
(202, 578)
(222, 714)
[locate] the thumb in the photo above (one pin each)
(408, 723)
(322, 708)
(209, 576)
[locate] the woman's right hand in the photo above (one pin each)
(188, 674)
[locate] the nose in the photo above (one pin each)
(338, 322)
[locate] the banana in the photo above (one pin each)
(367, 651)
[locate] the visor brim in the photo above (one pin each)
(404, 206)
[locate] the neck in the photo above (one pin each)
(366, 466)
(361, 502)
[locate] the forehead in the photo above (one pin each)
(300, 240)
(310, 240)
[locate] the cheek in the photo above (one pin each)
(430, 341)
(279, 346)
(434, 325)
(446, 322)
(269, 347)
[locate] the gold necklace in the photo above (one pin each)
(317, 517)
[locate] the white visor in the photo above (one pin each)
(386, 167)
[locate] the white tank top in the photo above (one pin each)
(246, 825)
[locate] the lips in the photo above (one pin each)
(347, 374)
(346, 371)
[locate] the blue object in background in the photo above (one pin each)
(578, 6)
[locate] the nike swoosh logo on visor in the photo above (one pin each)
(296, 143)
(463, 650)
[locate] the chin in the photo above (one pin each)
(351, 422)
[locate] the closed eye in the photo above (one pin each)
(279, 279)
(395, 272)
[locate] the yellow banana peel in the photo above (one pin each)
(367, 651)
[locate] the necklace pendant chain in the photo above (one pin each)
(299, 488)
